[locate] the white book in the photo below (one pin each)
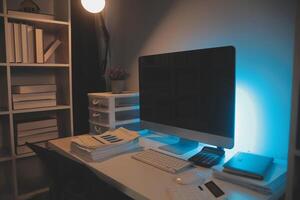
(24, 43)
(38, 138)
(33, 96)
(31, 44)
(30, 15)
(26, 89)
(274, 179)
(25, 149)
(39, 45)
(10, 39)
(34, 104)
(23, 77)
(37, 124)
(18, 42)
(51, 50)
(37, 131)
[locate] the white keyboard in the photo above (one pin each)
(162, 161)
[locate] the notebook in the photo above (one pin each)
(249, 165)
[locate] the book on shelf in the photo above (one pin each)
(31, 44)
(25, 149)
(34, 104)
(10, 39)
(28, 78)
(36, 124)
(34, 96)
(26, 89)
(37, 131)
(38, 137)
(24, 41)
(18, 42)
(39, 47)
(108, 144)
(51, 50)
(30, 15)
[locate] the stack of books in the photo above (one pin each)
(106, 145)
(38, 131)
(254, 172)
(33, 96)
(27, 42)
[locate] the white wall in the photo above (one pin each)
(262, 32)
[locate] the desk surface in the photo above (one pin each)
(142, 181)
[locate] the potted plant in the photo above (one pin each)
(117, 75)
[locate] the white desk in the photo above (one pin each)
(142, 181)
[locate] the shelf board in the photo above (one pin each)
(130, 121)
(99, 124)
(41, 109)
(33, 193)
(5, 158)
(3, 64)
(45, 24)
(127, 108)
(118, 109)
(4, 113)
(5, 155)
(43, 65)
(110, 94)
(26, 155)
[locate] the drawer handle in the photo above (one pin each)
(97, 129)
(96, 101)
(96, 114)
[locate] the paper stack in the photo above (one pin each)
(275, 179)
(106, 145)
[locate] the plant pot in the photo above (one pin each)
(117, 86)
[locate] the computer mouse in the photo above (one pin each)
(190, 178)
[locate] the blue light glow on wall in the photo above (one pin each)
(248, 122)
(263, 36)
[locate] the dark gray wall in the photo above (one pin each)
(262, 32)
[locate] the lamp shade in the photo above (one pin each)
(93, 6)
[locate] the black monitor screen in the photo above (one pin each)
(193, 90)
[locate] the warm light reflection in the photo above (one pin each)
(93, 6)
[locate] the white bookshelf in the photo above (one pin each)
(110, 111)
(23, 175)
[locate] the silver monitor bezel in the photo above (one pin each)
(202, 137)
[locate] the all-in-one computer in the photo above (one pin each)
(190, 94)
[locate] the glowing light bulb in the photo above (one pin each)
(93, 6)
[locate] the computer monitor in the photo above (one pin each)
(190, 94)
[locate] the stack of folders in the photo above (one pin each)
(106, 145)
(38, 131)
(27, 44)
(255, 172)
(33, 96)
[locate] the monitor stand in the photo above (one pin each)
(181, 147)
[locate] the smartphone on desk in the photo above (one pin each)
(211, 191)
(206, 191)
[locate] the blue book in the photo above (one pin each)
(248, 165)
